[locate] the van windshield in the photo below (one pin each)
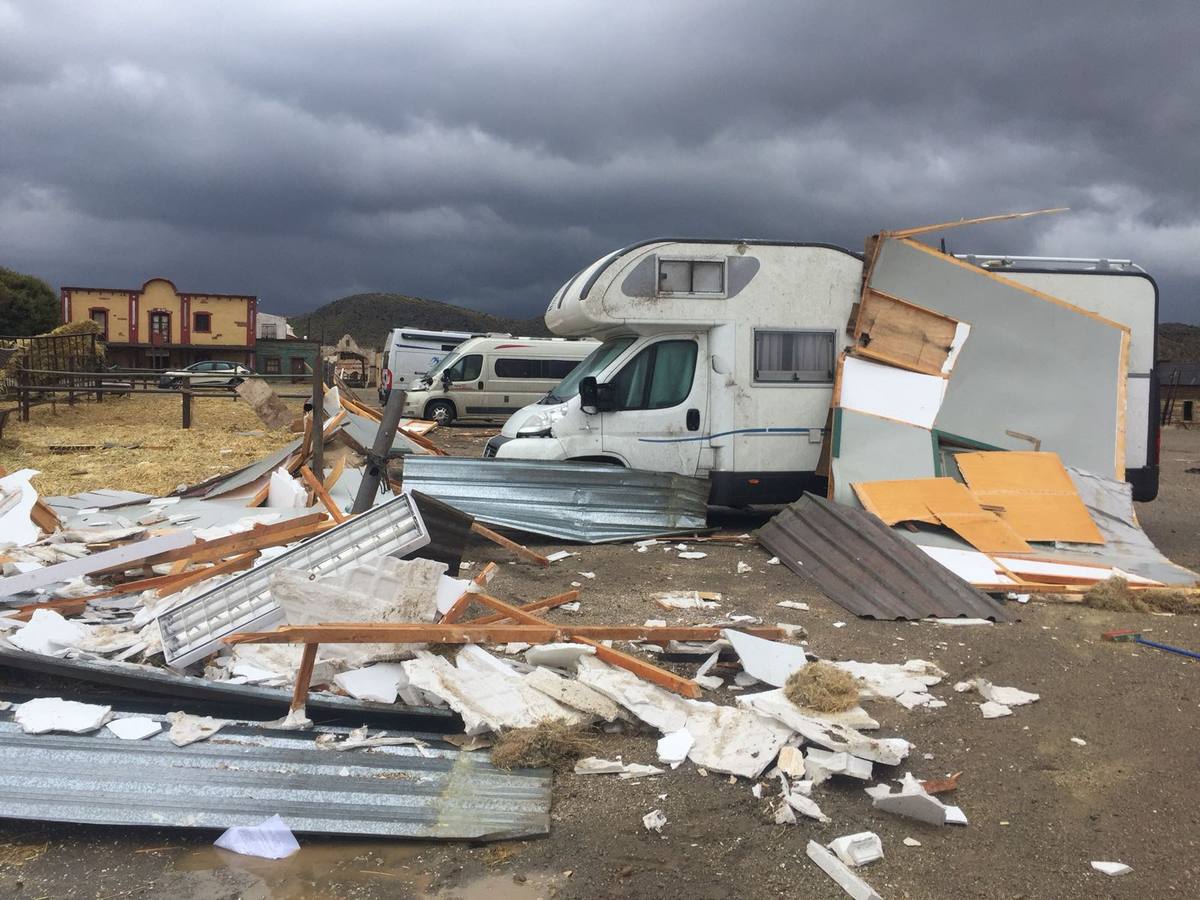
(594, 362)
(436, 372)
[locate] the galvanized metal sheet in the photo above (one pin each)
(196, 628)
(589, 503)
(862, 565)
(245, 775)
(104, 498)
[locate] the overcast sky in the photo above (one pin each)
(483, 153)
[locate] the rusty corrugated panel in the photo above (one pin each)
(860, 564)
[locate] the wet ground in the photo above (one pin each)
(1041, 806)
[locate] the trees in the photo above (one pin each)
(27, 304)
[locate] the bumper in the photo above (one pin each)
(545, 449)
(492, 447)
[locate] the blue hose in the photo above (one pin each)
(1167, 647)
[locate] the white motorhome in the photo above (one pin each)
(490, 378)
(718, 360)
(411, 352)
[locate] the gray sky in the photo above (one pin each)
(481, 153)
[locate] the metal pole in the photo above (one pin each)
(376, 467)
(186, 393)
(318, 419)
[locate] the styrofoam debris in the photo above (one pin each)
(800, 802)
(49, 634)
(46, 714)
(1080, 741)
(570, 607)
(654, 820)
(1008, 696)
(791, 762)
(731, 740)
(840, 872)
(962, 621)
(692, 554)
(587, 575)
(993, 710)
(379, 682)
(1110, 868)
(858, 849)
(891, 680)
(560, 554)
(686, 600)
(673, 748)
(820, 764)
(186, 729)
(572, 693)
(793, 604)
(271, 839)
(839, 624)
(17, 498)
(911, 800)
(558, 656)
(134, 728)
(911, 842)
(773, 561)
(962, 687)
(284, 491)
(769, 661)
(826, 732)
(744, 568)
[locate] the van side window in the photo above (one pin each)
(657, 378)
(555, 369)
(691, 276)
(797, 357)
(466, 369)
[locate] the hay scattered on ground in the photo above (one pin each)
(554, 743)
(1114, 594)
(822, 687)
(167, 456)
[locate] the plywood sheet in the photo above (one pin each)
(1037, 495)
(940, 501)
(868, 448)
(889, 392)
(899, 333)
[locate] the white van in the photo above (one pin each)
(411, 352)
(718, 360)
(490, 378)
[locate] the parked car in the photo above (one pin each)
(211, 373)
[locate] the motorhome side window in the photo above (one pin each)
(691, 276)
(466, 369)
(556, 369)
(794, 357)
(657, 378)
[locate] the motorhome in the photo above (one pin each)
(490, 378)
(718, 360)
(411, 352)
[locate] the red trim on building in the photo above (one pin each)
(185, 319)
(133, 318)
(155, 339)
(66, 305)
(251, 323)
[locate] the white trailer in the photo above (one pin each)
(411, 352)
(718, 360)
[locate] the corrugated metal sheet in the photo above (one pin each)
(196, 628)
(231, 481)
(104, 498)
(589, 503)
(243, 776)
(861, 564)
(199, 695)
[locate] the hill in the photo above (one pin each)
(369, 317)
(1178, 342)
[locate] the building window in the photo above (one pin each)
(267, 330)
(659, 377)
(99, 315)
(202, 323)
(299, 366)
(160, 326)
(794, 357)
(691, 276)
(271, 366)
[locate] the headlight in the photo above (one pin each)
(541, 423)
(531, 432)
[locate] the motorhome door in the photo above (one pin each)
(660, 400)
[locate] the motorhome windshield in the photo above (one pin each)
(594, 362)
(436, 372)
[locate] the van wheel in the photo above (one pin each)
(440, 411)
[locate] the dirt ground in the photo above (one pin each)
(1041, 806)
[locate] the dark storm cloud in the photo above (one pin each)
(482, 153)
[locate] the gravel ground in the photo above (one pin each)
(1041, 806)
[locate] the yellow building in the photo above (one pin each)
(159, 327)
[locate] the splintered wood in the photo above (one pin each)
(903, 334)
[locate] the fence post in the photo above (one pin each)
(23, 387)
(318, 419)
(186, 393)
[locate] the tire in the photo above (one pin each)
(440, 411)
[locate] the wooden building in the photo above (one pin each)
(158, 326)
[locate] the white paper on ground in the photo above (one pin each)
(134, 728)
(840, 872)
(271, 839)
(769, 661)
(46, 714)
(891, 393)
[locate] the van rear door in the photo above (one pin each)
(661, 400)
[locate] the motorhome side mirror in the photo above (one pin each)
(589, 395)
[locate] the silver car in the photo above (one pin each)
(211, 373)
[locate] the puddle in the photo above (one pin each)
(327, 868)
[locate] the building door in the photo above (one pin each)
(298, 367)
(160, 327)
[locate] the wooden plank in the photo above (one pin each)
(899, 333)
(64, 606)
(303, 677)
(227, 567)
(44, 517)
(519, 549)
(942, 226)
(180, 566)
(459, 607)
(441, 633)
(301, 456)
(321, 494)
(339, 466)
(534, 606)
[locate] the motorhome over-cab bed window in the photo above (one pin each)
(794, 357)
(691, 276)
(657, 378)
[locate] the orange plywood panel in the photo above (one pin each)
(908, 500)
(1037, 496)
(983, 530)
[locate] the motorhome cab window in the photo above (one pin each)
(797, 357)
(535, 368)
(468, 368)
(658, 377)
(691, 276)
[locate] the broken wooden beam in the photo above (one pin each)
(459, 607)
(533, 606)
(321, 494)
(519, 549)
